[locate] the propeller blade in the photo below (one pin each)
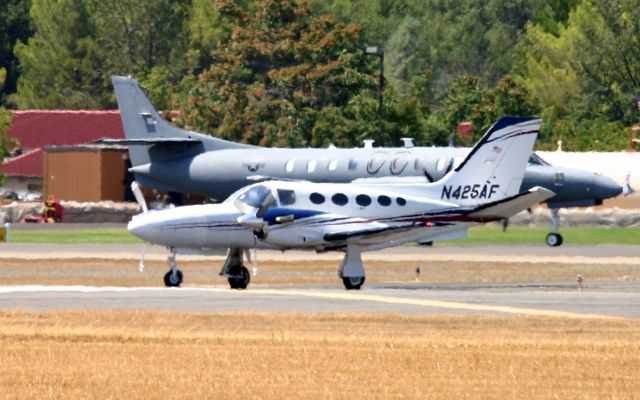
(141, 264)
(252, 259)
(137, 193)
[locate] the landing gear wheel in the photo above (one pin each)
(171, 280)
(554, 239)
(353, 282)
(240, 278)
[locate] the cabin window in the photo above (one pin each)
(340, 199)
(384, 200)
(311, 166)
(353, 164)
(401, 201)
(399, 163)
(316, 198)
(289, 165)
(333, 165)
(376, 162)
(363, 200)
(287, 197)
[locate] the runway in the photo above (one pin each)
(606, 299)
(599, 298)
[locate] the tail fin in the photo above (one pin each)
(149, 136)
(494, 168)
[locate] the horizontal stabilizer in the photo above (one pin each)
(149, 141)
(512, 205)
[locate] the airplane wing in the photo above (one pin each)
(148, 141)
(512, 205)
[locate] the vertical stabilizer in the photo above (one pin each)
(495, 167)
(149, 136)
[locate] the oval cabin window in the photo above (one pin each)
(340, 199)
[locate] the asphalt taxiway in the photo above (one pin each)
(563, 299)
(601, 299)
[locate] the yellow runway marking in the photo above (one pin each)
(426, 303)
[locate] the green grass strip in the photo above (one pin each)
(486, 234)
(519, 234)
(99, 236)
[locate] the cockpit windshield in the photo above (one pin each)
(535, 159)
(256, 197)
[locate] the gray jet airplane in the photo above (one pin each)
(165, 157)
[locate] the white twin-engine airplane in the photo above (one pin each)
(352, 218)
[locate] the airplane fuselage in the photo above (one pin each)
(305, 216)
(219, 173)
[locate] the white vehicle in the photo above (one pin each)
(353, 218)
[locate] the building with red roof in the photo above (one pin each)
(36, 129)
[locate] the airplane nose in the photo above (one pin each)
(140, 227)
(606, 187)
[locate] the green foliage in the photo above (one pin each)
(5, 120)
(406, 54)
(81, 43)
(14, 27)
(585, 74)
(283, 71)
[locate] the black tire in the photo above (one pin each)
(353, 282)
(240, 278)
(554, 239)
(169, 282)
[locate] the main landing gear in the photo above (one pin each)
(237, 274)
(554, 239)
(351, 270)
(173, 278)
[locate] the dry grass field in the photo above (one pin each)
(162, 355)
(124, 272)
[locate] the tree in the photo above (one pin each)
(5, 142)
(14, 27)
(283, 75)
(586, 74)
(79, 44)
(406, 54)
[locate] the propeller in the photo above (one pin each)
(252, 259)
(141, 263)
(137, 193)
